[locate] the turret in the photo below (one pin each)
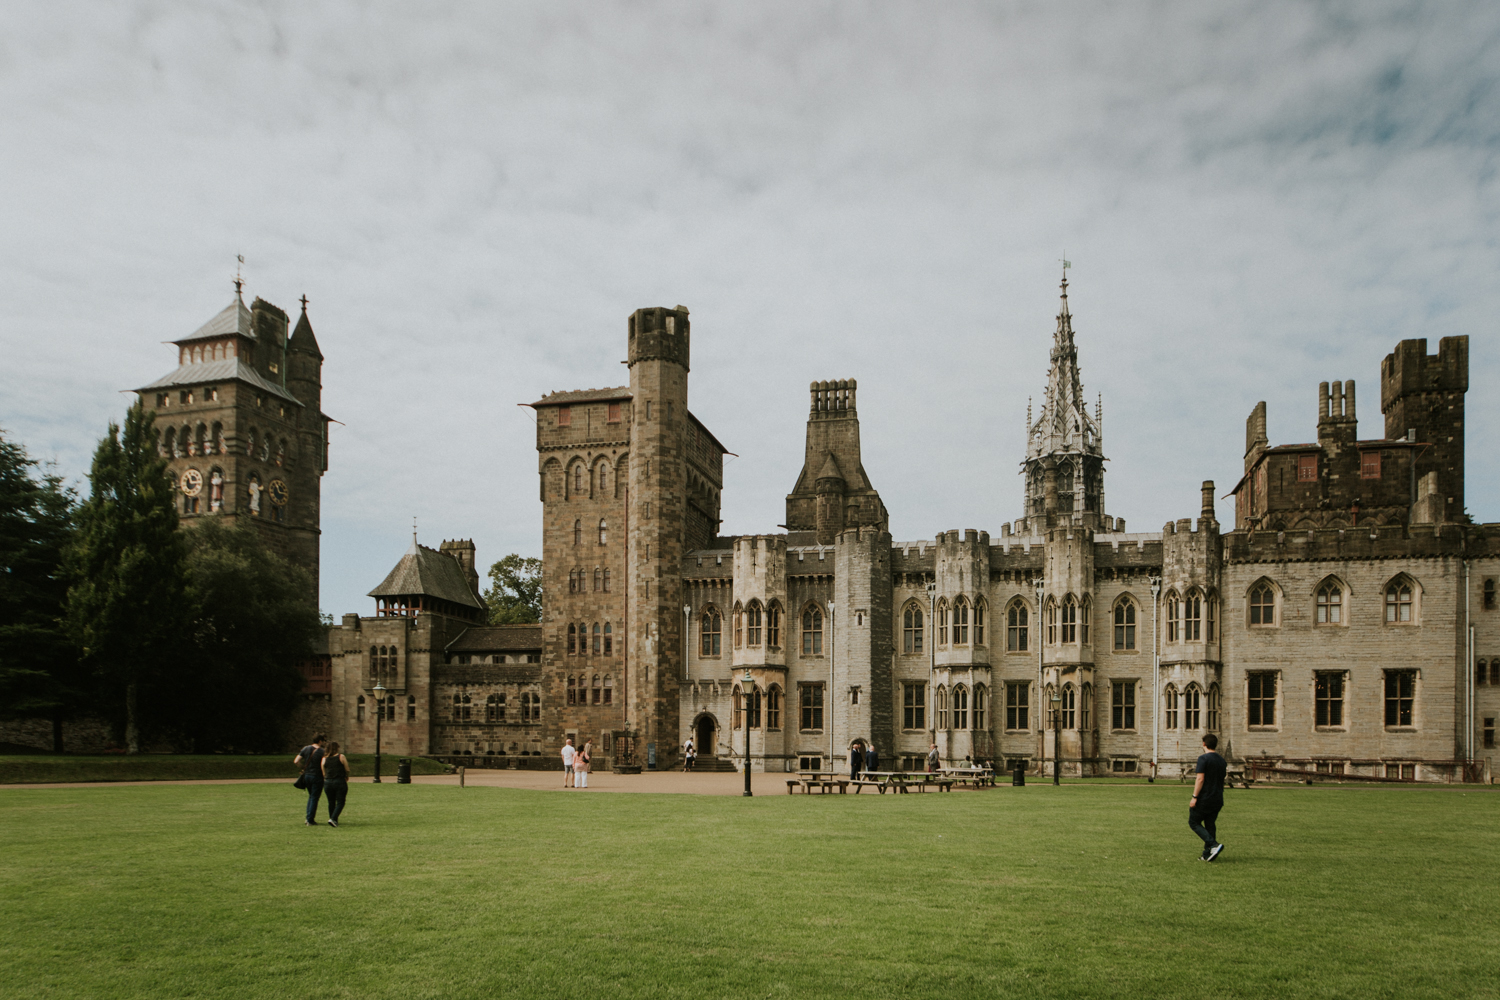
(1422, 397)
(833, 491)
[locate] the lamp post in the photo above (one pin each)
(747, 688)
(1037, 633)
(1056, 738)
(379, 714)
(1155, 674)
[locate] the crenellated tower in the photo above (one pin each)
(833, 492)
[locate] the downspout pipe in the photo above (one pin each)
(1155, 673)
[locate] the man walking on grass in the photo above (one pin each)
(310, 760)
(568, 753)
(1208, 798)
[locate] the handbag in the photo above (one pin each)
(301, 781)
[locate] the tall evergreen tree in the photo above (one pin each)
(37, 662)
(515, 594)
(252, 625)
(128, 606)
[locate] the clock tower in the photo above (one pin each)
(242, 427)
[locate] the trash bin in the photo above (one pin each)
(1018, 778)
(403, 771)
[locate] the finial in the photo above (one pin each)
(414, 529)
(1066, 264)
(239, 282)
(304, 304)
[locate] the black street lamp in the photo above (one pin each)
(1056, 737)
(747, 687)
(379, 714)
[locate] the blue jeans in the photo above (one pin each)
(337, 791)
(314, 792)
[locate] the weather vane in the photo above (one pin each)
(239, 282)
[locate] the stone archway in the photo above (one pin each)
(705, 732)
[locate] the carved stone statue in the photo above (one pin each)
(216, 492)
(255, 497)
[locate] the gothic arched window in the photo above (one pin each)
(911, 629)
(1330, 604)
(578, 532)
(1017, 626)
(1192, 617)
(1398, 602)
(572, 639)
(609, 637)
(812, 631)
(773, 625)
(710, 632)
(603, 531)
(1124, 623)
(753, 624)
(1069, 620)
(961, 622)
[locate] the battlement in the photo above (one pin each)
(1410, 369)
(1383, 542)
(660, 334)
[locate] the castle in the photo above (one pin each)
(1347, 623)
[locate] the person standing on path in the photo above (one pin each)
(335, 768)
(310, 759)
(872, 759)
(933, 760)
(1208, 798)
(856, 760)
(581, 761)
(688, 754)
(568, 753)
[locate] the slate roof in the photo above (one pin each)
(222, 370)
(582, 396)
(233, 318)
(497, 638)
(429, 573)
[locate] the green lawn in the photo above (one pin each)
(46, 768)
(442, 892)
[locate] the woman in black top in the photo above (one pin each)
(335, 782)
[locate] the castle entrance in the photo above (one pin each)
(703, 736)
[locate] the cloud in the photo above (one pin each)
(1255, 200)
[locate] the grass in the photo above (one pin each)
(441, 892)
(41, 769)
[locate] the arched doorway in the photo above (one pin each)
(703, 736)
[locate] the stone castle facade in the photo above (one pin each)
(1346, 623)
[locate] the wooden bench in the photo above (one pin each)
(824, 785)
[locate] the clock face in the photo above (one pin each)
(192, 482)
(279, 492)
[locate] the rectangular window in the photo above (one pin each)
(1400, 696)
(613, 414)
(914, 707)
(1262, 699)
(1123, 705)
(161, 400)
(1369, 465)
(1017, 705)
(812, 707)
(1489, 731)
(1307, 468)
(810, 763)
(564, 416)
(1192, 618)
(1329, 699)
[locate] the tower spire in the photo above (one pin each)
(239, 282)
(1065, 436)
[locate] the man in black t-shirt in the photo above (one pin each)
(310, 760)
(1208, 798)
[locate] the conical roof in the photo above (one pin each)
(302, 336)
(428, 573)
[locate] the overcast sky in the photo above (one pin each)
(474, 197)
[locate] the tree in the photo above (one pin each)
(515, 594)
(128, 607)
(37, 662)
(252, 625)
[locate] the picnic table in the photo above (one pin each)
(905, 781)
(823, 781)
(980, 776)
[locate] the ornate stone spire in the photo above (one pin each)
(1065, 437)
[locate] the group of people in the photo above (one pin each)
(863, 757)
(576, 761)
(325, 772)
